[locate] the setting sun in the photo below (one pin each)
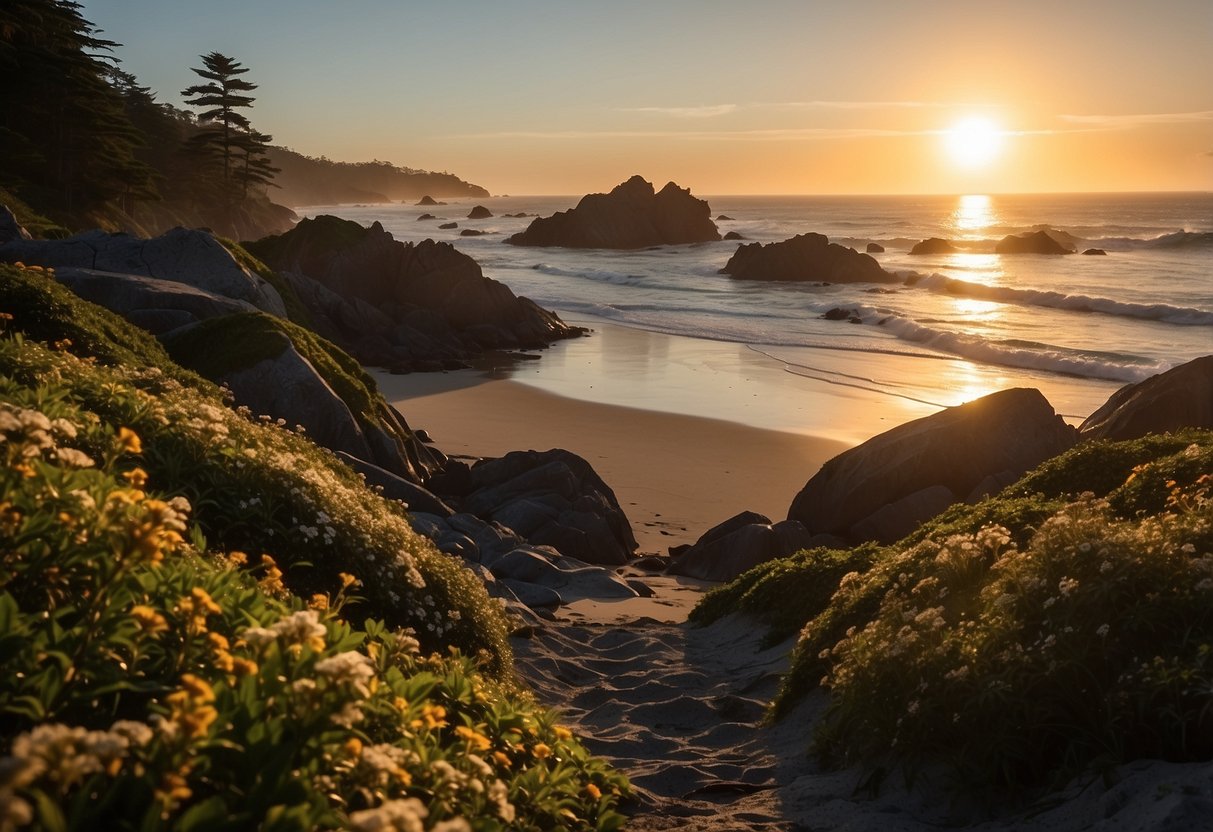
(973, 142)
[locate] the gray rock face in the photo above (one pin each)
(805, 257)
(553, 498)
(158, 306)
(893, 480)
(403, 305)
(395, 487)
(181, 255)
(1038, 242)
(630, 216)
(1181, 397)
(739, 544)
(934, 245)
(10, 229)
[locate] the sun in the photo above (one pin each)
(973, 142)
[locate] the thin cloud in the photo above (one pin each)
(785, 134)
(706, 111)
(857, 105)
(1127, 121)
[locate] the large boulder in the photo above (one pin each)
(934, 245)
(479, 213)
(430, 301)
(181, 255)
(630, 216)
(553, 498)
(883, 488)
(805, 257)
(1182, 397)
(738, 544)
(1038, 242)
(159, 306)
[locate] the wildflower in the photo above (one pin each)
(347, 580)
(129, 440)
(349, 668)
(73, 458)
(432, 716)
(499, 795)
(1102, 632)
(319, 601)
(148, 620)
(136, 477)
(271, 581)
(474, 738)
(541, 751)
(593, 791)
(190, 707)
(562, 733)
(298, 630)
(407, 815)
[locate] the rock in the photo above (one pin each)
(839, 314)
(630, 216)
(417, 306)
(1095, 251)
(1038, 242)
(956, 449)
(805, 257)
(429, 200)
(471, 232)
(533, 595)
(10, 229)
(446, 226)
(180, 255)
(553, 498)
(1182, 397)
(427, 217)
(479, 213)
(398, 488)
(934, 245)
(159, 306)
(733, 235)
(739, 544)
(875, 248)
(724, 218)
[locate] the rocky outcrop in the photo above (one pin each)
(479, 213)
(1038, 242)
(406, 306)
(10, 229)
(447, 226)
(1182, 397)
(552, 498)
(181, 255)
(738, 544)
(159, 306)
(805, 257)
(732, 235)
(882, 489)
(934, 245)
(471, 232)
(630, 216)
(1095, 251)
(429, 200)
(875, 248)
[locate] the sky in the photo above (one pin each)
(763, 97)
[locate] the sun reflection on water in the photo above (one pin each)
(973, 214)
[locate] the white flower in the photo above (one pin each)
(348, 668)
(406, 815)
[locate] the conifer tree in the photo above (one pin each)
(224, 127)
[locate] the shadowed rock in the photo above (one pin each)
(10, 229)
(883, 488)
(805, 257)
(1182, 397)
(1038, 242)
(738, 544)
(1096, 251)
(429, 200)
(934, 245)
(630, 216)
(479, 213)
(875, 248)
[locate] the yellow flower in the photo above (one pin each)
(173, 788)
(204, 600)
(244, 667)
(237, 558)
(593, 791)
(353, 747)
(271, 581)
(502, 759)
(148, 619)
(137, 477)
(197, 688)
(129, 440)
(541, 751)
(432, 716)
(191, 708)
(562, 733)
(474, 738)
(347, 580)
(319, 602)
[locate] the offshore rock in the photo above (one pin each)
(1038, 242)
(805, 257)
(934, 245)
(630, 216)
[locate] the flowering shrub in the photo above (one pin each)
(148, 685)
(260, 487)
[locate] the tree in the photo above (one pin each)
(256, 168)
(224, 128)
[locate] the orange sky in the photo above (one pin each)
(773, 96)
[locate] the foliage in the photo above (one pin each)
(1019, 640)
(295, 309)
(150, 686)
(39, 226)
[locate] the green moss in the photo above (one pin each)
(45, 311)
(294, 306)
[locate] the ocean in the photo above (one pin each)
(958, 325)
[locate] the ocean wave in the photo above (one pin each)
(1024, 355)
(1167, 313)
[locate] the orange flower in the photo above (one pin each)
(148, 619)
(541, 751)
(129, 440)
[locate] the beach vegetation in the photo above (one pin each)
(332, 670)
(1064, 624)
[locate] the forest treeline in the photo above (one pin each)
(83, 143)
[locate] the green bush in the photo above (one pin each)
(149, 686)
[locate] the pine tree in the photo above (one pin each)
(256, 169)
(224, 128)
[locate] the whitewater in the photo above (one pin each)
(1097, 320)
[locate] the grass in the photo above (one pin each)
(1065, 623)
(39, 226)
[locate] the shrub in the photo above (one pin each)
(150, 686)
